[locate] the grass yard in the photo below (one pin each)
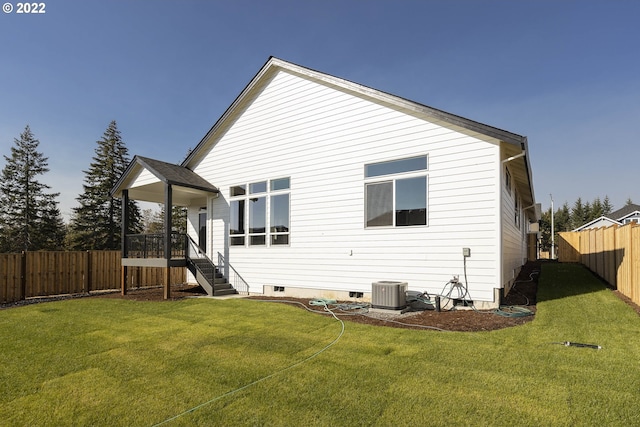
(106, 362)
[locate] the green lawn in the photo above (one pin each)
(108, 362)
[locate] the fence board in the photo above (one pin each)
(609, 248)
(54, 273)
(613, 253)
(569, 247)
(10, 277)
(635, 261)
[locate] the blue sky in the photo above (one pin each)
(564, 73)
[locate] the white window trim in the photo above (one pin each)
(267, 195)
(380, 179)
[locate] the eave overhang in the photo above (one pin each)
(187, 186)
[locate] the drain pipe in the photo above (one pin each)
(517, 156)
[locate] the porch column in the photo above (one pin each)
(168, 203)
(124, 230)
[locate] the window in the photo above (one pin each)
(279, 219)
(261, 217)
(236, 223)
(396, 166)
(257, 220)
(398, 200)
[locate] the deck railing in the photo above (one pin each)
(152, 245)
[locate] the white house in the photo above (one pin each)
(625, 215)
(310, 185)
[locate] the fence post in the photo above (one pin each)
(123, 279)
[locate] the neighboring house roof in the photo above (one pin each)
(614, 218)
(602, 221)
(625, 212)
(193, 185)
(521, 170)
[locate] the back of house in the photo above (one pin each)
(327, 186)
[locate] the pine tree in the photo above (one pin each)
(577, 214)
(96, 223)
(178, 219)
(562, 219)
(597, 210)
(607, 207)
(29, 217)
(152, 221)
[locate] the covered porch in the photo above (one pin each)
(155, 181)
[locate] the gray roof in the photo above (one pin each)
(168, 173)
(176, 174)
(623, 212)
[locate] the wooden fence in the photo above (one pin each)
(613, 253)
(32, 274)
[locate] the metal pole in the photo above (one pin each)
(553, 249)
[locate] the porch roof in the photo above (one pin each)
(187, 185)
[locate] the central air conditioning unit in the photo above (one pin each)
(389, 295)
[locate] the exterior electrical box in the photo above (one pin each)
(389, 295)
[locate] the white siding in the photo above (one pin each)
(144, 178)
(322, 138)
(514, 242)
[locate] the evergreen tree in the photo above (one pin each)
(577, 214)
(628, 202)
(597, 209)
(29, 216)
(562, 219)
(607, 207)
(178, 219)
(152, 221)
(96, 223)
(545, 230)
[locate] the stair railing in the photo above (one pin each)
(233, 276)
(194, 251)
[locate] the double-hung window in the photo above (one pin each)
(396, 193)
(259, 213)
(237, 230)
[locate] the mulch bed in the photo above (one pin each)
(523, 294)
